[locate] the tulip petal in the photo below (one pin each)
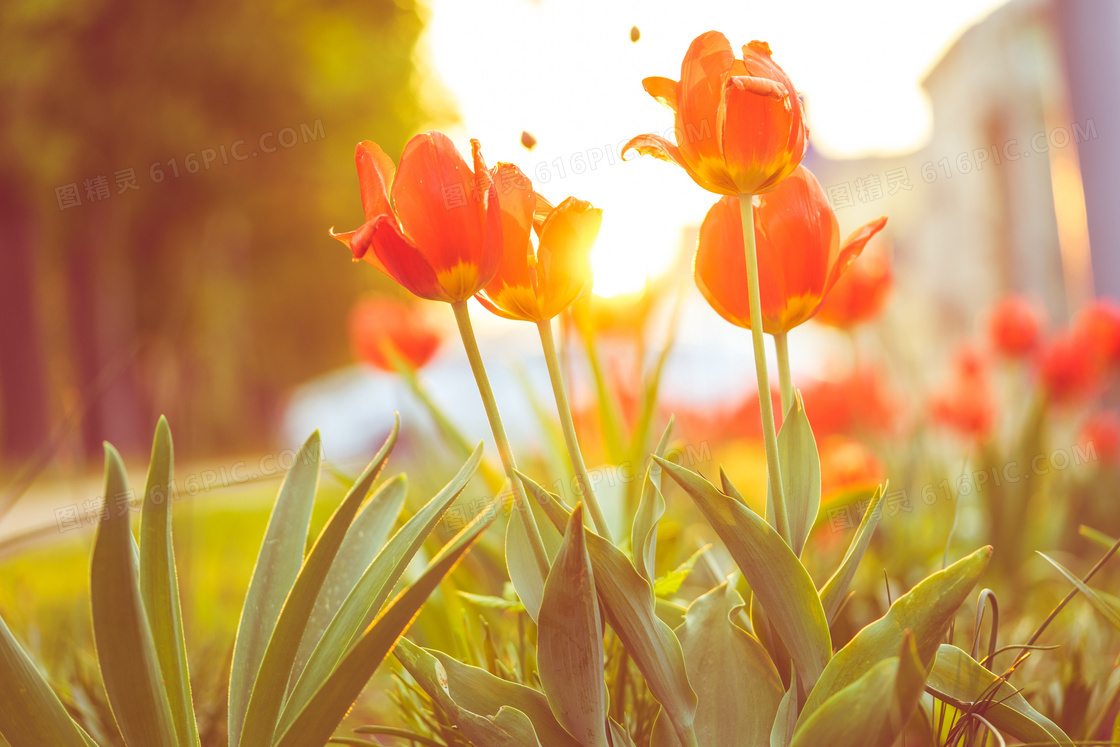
(440, 210)
(518, 202)
(756, 120)
(662, 149)
(664, 90)
(700, 94)
(375, 175)
(720, 266)
(851, 249)
(358, 242)
(404, 262)
(564, 255)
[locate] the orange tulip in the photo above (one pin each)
(536, 284)
(860, 294)
(440, 234)
(739, 126)
(966, 402)
(382, 327)
(800, 256)
(1068, 369)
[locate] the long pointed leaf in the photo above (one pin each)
(126, 652)
(270, 686)
(331, 702)
(367, 596)
(365, 539)
(278, 564)
(31, 715)
(570, 656)
(524, 572)
(925, 611)
(777, 578)
(833, 591)
(643, 535)
(159, 585)
(631, 610)
(737, 685)
(801, 473)
(959, 680)
(473, 697)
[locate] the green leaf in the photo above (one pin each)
(962, 682)
(524, 572)
(278, 564)
(159, 586)
(474, 698)
(31, 715)
(364, 600)
(776, 577)
(834, 590)
(1107, 610)
(872, 711)
(728, 488)
(492, 603)
(271, 683)
(331, 702)
(801, 473)
(570, 656)
(126, 651)
(670, 583)
(925, 611)
(643, 534)
(786, 717)
(364, 540)
(737, 685)
(630, 608)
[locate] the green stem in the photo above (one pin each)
(548, 342)
(781, 344)
(769, 435)
(470, 344)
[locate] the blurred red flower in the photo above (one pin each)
(800, 256)
(965, 403)
(740, 128)
(1101, 433)
(846, 465)
(1014, 326)
(860, 294)
(1098, 328)
(379, 326)
(1067, 368)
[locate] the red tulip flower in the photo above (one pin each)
(434, 224)
(800, 256)
(1101, 434)
(966, 403)
(1014, 326)
(382, 328)
(1098, 328)
(739, 126)
(1067, 369)
(860, 294)
(537, 283)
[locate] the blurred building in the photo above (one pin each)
(995, 202)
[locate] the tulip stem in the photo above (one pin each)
(564, 409)
(766, 405)
(781, 345)
(521, 504)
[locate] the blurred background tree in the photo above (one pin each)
(172, 287)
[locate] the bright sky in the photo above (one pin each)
(566, 71)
